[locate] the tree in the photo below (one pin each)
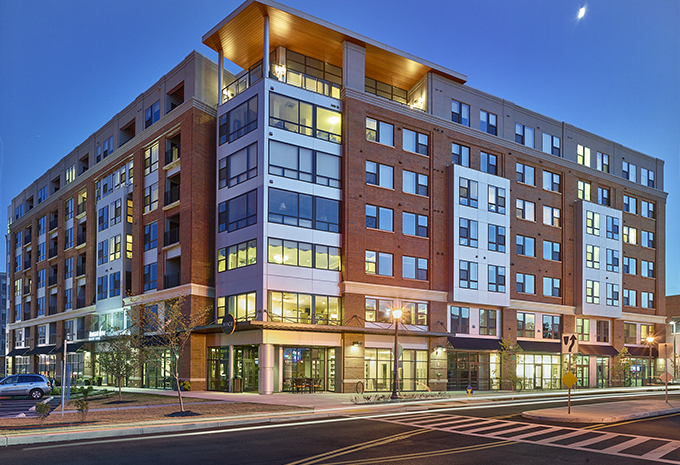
(119, 358)
(675, 363)
(509, 353)
(165, 325)
(621, 368)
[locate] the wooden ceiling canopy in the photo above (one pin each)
(240, 37)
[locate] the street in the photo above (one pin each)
(23, 406)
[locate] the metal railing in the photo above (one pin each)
(81, 207)
(80, 270)
(27, 239)
(52, 280)
(52, 252)
(27, 264)
(171, 236)
(54, 223)
(172, 154)
(52, 310)
(172, 195)
(171, 280)
(27, 289)
(80, 302)
(81, 238)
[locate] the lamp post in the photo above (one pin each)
(650, 341)
(396, 314)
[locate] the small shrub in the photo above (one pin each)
(42, 410)
(83, 406)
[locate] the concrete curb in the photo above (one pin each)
(580, 418)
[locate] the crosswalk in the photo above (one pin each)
(617, 444)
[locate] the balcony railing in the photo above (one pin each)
(171, 236)
(27, 314)
(52, 252)
(27, 289)
(27, 239)
(172, 154)
(54, 223)
(242, 83)
(52, 280)
(52, 310)
(171, 280)
(305, 81)
(172, 195)
(80, 302)
(27, 264)
(80, 270)
(81, 207)
(81, 238)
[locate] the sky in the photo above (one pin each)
(67, 67)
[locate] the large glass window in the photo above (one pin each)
(551, 326)
(290, 307)
(379, 131)
(238, 167)
(293, 253)
(379, 175)
(305, 118)
(415, 225)
(304, 210)
(237, 256)
(378, 263)
(238, 212)
(460, 320)
(414, 142)
(526, 324)
(487, 322)
(239, 121)
(414, 183)
(304, 164)
(241, 306)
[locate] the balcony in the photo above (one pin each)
(80, 270)
(52, 280)
(172, 154)
(80, 302)
(27, 264)
(27, 239)
(171, 237)
(172, 196)
(81, 208)
(81, 238)
(27, 289)
(54, 223)
(171, 280)
(52, 253)
(244, 82)
(305, 81)
(52, 310)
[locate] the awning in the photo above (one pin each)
(72, 347)
(642, 351)
(20, 351)
(540, 346)
(474, 343)
(42, 350)
(589, 349)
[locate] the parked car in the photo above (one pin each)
(31, 385)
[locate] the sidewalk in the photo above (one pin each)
(321, 405)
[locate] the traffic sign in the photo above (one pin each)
(569, 343)
(666, 377)
(569, 379)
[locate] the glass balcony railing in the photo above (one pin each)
(305, 81)
(253, 75)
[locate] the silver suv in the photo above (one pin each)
(34, 386)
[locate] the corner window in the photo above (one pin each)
(307, 165)
(303, 210)
(238, 167)
(238, 121)
(304, 118)
(238, 212)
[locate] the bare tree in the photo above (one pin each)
(166, 326)
(621, 364)
(119, 358)
(509, 353)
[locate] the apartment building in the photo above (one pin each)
(126, 216)
(353, 178)
(3, 320)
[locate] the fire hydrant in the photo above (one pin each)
(469, 391)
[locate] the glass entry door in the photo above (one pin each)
(246, 366)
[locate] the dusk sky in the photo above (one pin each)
(67, 67)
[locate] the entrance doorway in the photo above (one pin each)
(218, 368)
(246, 366)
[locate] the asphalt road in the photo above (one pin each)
(443, 436)
(12, 407)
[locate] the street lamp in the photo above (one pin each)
(396, 314)
(650, 341)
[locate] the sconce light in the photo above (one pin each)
(356, 344)
(439, 349)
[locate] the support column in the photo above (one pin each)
(220, 77)
(281, 368)
(353, 66)
(230, 371)
(265, 52)
(266, 369)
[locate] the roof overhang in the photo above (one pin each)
(240, 37)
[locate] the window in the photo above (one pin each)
(379, 218)
(70, 174)
(496, 238)
(487, 322)
(242, 165)
(42, 330)
(239, 212)
(467, 232)
(42, 194)
(460, 155)
(152, 114)
(487, 122)
(239, 121)
(292, 307)
(116, 212)
(41, 278)
(603, 196)
(241, 306)
(414, 142)
(460, 113)
(647, 269)
(629, 265)
(583, 329)
(41, 251)
(114, 248)
(378, 131)
(646, 177)
(612, 295)
(647, 209)
(102, 287)
(42, 225)
(602, 331)
(646, 331)
(18, 263)
(629, 235)
(584, 190)
(68, 239)
(613, 260)
(378, 263)
(497, 200)
(378, 310)
(551, 144)
(68, 209)
(103, 219)
(284, 252)
(629, 297)
(414, 183)
(647, 239)
(467, 274)
(414, 225)
(551, 327)
(303, 210)
(592, 292)
(525, 210)
(379, 175)
(551, 181)
(551, 216)
(603, 162)
(496, 278)
(414, 268)
(327, 258)
(551, 287)
(629, 204)
(468, 192)
(240, 255)
(114, 284)
(592, 223)
(68, 268)
(612, 228)
(149, 276)
(41, 306)
(103, 252)
(151, 236)
(128, 213)
(488, 163)
(303, 164)
(629, 332)
(525, 174)
(629, 171)
(526, 324)
(151, 198)
(385, 90)
(582, 155)
(304, 118)
(128, 246)
(525, 245)
(460, 320)
(524, 135)
(151, 159)
(526, 283)
(592, 256)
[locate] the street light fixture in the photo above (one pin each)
(396, 314)
(650, 341)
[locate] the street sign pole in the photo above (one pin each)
(569, 396)
(569, 346)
